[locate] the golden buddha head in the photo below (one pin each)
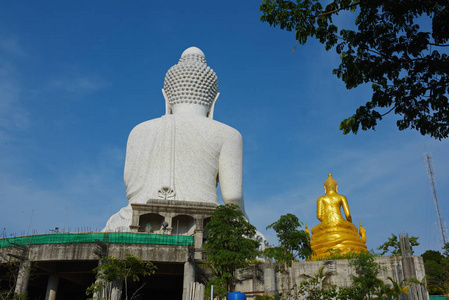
(330, 184)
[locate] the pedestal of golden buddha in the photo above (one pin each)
(335, 232)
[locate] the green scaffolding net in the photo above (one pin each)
(92, 237)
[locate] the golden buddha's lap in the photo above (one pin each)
(341, 241)
(342, 226)
(346, 239)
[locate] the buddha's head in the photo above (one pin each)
(330, 184)
(191, 80)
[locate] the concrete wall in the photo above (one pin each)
(64, 271)
(69, 252)
(395, 267)
(392, 266)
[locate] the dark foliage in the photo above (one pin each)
(406, 66)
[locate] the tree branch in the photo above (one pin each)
(388, 111)
(337, 10)
(378, 53)
(132, 296)
(439, 45)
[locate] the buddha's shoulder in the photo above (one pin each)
(209, 126)
(223, 132)
(204, 124)
(147, 126)
(226, 129)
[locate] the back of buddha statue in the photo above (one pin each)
(187, 154)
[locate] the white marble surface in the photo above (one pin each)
(183, 154)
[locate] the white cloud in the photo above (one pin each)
(11, 46)
(78, 83)
(12, 114)
(77, 199)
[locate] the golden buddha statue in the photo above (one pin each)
(335, 232)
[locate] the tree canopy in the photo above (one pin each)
(114, 269)
(389, 47)
(230, 244)
(8, 276)
(294, 243)
(393, 245)
(437, 271)
(366, 281)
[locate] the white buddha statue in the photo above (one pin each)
(185, 153)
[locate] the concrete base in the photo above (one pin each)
(74, 264)
(395, 267)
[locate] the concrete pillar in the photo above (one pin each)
(417, 292)
(134, 227)
(22, 278)
(408, 267)
(111, 290)
(98, 295)
(116, 290)
(198, 244)
(52, 286)
(104, 292)
(169, 219)
(198, 238)
(269, 283)
(189, 277)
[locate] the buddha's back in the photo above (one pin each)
(180, 152)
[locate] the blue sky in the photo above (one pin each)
(77, 76)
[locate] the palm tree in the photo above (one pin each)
(397, 290)
(321, 277)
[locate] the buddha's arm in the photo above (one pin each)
(132, 156)
(230, 170)
(346, 208)
(319, 209)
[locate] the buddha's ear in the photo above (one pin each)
(210, 114)
(168, 110)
